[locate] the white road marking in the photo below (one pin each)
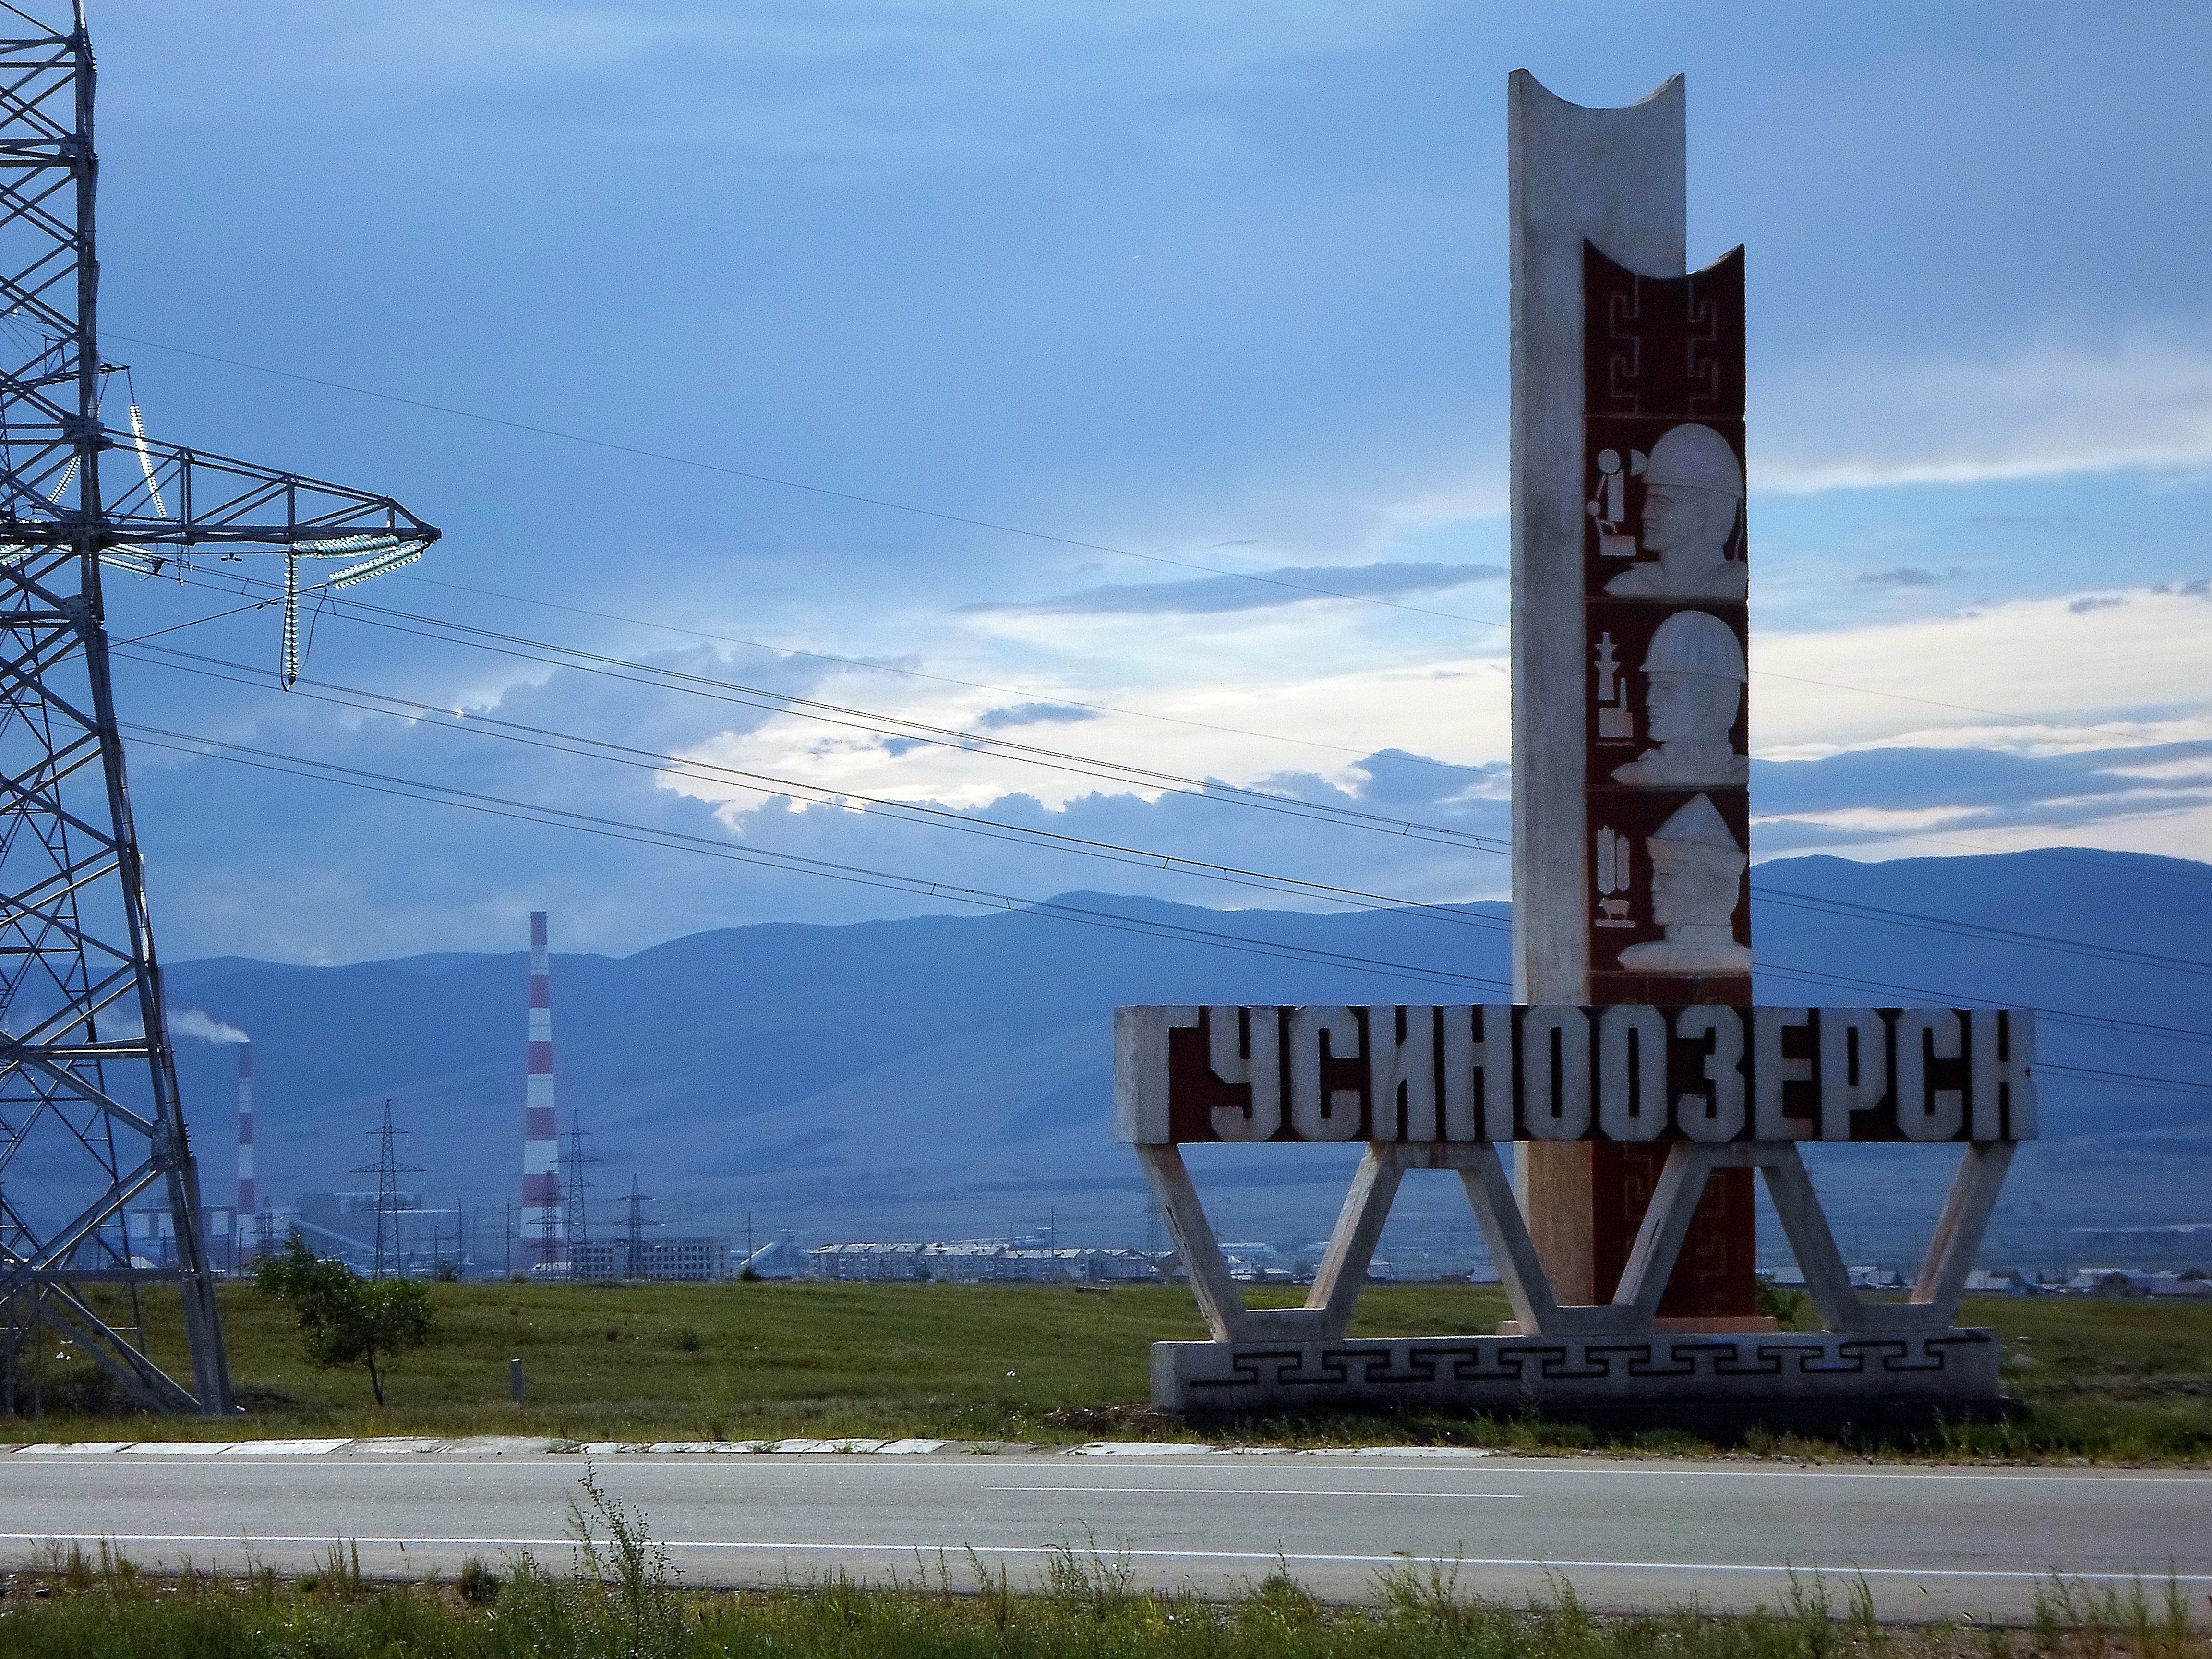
(1261, 1491)
(860, 1464)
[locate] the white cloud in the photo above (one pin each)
(2039, 413)
(2030, 674)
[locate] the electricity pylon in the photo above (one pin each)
(89, 1118)
(387, 1169)
(573, 1157)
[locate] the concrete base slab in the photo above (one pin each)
(1810, 1381)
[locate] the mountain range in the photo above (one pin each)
(950, 1076)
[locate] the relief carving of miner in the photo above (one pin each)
(1697, 876)
(1693, 499)
(1694, 678)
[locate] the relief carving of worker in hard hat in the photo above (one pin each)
(1694, 674)
(1693, 496)
(1696, 877)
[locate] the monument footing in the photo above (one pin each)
(1717, 1382)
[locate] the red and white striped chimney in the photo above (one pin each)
(542, 1239)
(248, 1203)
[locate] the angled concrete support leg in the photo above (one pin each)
(1217, 1301)
(1666, 1224)
(1343, 1271)
(1958, 1235)
(1498, 1212)
(1827, 1279)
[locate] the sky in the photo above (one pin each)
(1164, 316)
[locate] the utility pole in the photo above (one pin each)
(87, 1077)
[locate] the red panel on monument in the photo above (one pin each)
(1667, 800)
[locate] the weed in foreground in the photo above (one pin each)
(622, 1602)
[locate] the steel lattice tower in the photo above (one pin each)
(89, 1118)
(387, 1169)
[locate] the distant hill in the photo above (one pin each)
(950, 1075)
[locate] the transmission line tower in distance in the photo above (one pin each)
(387, 1169)
(89, 1118)
(573, 1157)
(634, 1226)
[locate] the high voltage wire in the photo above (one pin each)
(660, 764)
(881, 724)
(573, 744)
(1055, 698)
(889, 505)
(876, 723)
(678, 841)
(808, 489)
(1945, 925)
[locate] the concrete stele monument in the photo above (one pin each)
(1631, 810)
(1639, 1082)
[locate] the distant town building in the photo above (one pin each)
(686, 1259)
(974, 1261)
(2112, 1282)
(2001, 1281)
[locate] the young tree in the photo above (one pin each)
(344, 1317)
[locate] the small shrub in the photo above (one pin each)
(688, 1340)
(478, 1583)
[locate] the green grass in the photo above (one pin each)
(624, 1601)
(2110, 1380)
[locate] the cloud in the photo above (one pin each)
(2088, 602)
(191, 1022)
(1895, 794)
(1906, 576)
(1214, 595)
(2034, 675)
(1874, 423)
(1033, 714)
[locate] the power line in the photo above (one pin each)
(896, 727)
(680, 841)
(889, 505)
(1055, 698)
(1946, 924)
(797, 484)
(1951, 999)
(883, 724)
(569, 742)
(2127, 1077)
(537, 737)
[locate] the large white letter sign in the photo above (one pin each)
(1623, 1072)
(1631, 1072)
(1319, 1113)
(1555, 1073)
(1401, 1048)
(1242, 1048)
(1925, 1109)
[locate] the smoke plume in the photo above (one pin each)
(191, 1022)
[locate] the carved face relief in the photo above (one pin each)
(1694, 893)
(1682, 520)
(1690, 707)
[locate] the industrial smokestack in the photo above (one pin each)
(248, 1201)
(542, 1239)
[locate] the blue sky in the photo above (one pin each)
(1222, 285)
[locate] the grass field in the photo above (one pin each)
(2117, 1381)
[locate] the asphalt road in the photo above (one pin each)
(1932, 1542)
